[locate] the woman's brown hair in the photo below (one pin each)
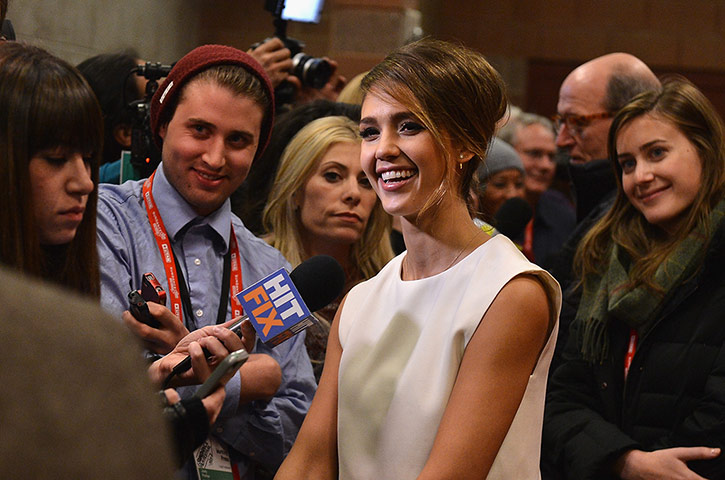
(45, 103)
(454, 92)
(680, 103)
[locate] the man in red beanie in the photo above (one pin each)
(212, 117)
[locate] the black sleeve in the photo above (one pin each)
(579, 441)
(189, 424)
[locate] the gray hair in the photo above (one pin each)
(623, 86)
(508, 132)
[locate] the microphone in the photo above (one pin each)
(319, 280)
(512, 217)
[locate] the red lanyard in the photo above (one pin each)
(528, 246)
(631, 348)
(167, 256)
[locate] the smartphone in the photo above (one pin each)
(230, 364)
(140, 311)
(151, 289)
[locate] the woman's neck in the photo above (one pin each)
(444, 237)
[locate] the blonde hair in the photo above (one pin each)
(298, 163)
(352, 93)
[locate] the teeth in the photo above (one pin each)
(397, 175)
(209, 177)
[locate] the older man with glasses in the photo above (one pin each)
(588, 99)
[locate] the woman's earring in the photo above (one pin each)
(460, 164)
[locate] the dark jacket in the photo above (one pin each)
(674, 395)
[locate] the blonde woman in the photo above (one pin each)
(322, 203)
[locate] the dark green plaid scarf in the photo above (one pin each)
(609, 295)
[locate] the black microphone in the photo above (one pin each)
(512, 217)
(319, 280)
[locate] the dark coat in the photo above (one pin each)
(674, 395)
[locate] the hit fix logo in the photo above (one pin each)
(273, 305)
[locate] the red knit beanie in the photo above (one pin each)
(193, 63)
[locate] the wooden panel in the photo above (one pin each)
(545, 76)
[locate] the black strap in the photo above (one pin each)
(223, 299)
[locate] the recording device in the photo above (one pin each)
(145, 155)
(229, 365)
(151, 291)
(312, 72)
(319, 280)
(512, 217)
(140, 310)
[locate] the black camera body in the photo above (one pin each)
(311, 71)
(145, 156)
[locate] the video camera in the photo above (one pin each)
(145, 155)
(312, 72)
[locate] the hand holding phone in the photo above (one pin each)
(226, 368)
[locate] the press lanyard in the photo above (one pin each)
(631, 348)
(528, 247)
(178, 294)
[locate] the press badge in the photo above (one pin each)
(212, 461)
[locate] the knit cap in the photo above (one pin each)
(501, 156)
(193, 63)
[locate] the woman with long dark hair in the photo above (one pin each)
(641, 391)
(51, 134)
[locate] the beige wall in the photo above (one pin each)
(160, 30)
(676, 34)
(670, 35)
(356, 33)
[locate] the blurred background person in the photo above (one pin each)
(640, 391)
(112, 78)
(249, 200)
(500, 177)
(6, 27)
(322, 203)
(533, 137)
(352, 93)
(77, 403)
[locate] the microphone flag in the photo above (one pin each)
(275, 308)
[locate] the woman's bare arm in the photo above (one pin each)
(314, 453)
(491, 382)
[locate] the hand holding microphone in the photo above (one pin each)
(319, 280)
(204, 349)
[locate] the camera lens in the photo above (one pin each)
(312, 72)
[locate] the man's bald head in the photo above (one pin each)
(598, 89)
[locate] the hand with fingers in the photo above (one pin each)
(165, 337)
(665, 464)
(275, 59)
(206, 346)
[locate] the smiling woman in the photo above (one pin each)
(651, 311)
(436, 367)
(50, 143)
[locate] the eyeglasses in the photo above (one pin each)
(575, 123)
